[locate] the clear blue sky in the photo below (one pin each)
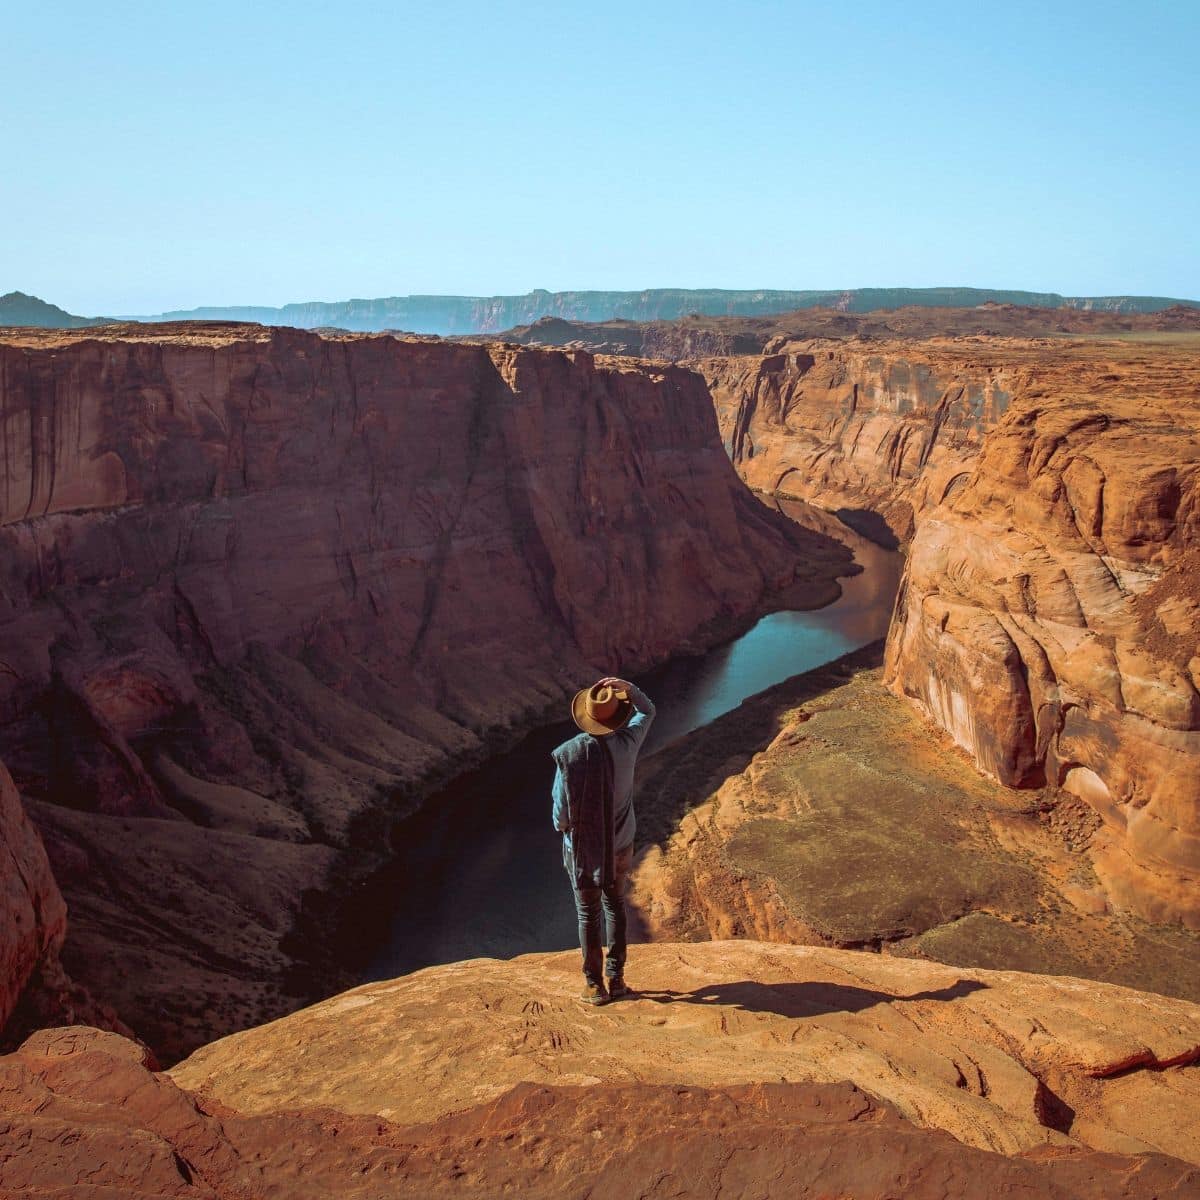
(168, 154)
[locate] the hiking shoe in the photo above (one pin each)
(618, 987)
(594, 993)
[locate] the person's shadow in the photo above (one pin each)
(800, 999)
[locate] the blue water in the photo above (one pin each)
(480, 870)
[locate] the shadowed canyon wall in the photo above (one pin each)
(260, 586)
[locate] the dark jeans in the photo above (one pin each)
(590, 904)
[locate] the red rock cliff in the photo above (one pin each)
(255, 582)
(1050, 614)
(1050, 618)
(883, 428)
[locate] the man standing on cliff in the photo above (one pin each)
(593, 809)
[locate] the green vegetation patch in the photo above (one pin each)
(877, 856)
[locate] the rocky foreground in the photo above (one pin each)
(739, 1069)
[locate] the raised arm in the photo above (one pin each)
(641, 701)
(639, 723)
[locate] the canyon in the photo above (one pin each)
(263, 590)
(828, 811)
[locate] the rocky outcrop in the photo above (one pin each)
(84, 1114)
(35, 990)
(1050, 615)
(261, 587)
(1005, 1062)
(1049, 620)
(33, 917)
(870, 431)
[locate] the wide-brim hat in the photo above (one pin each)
(601, 709)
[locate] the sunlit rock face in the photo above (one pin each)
(886, 429)
(1012, 1063)
(1049, 619)
(1050, 616)
(738, 1070)
(256, 584)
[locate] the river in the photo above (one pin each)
(479, 873)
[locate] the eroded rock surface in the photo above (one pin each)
(1050, 615)
(1050, 620)
(260, 586)
(877, 431)
(1003, 1061)
(84, 1115)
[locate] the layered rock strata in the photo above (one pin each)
(874, 430)
(260, 586)
(1049, 619)
(833, 815)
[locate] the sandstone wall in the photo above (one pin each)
(884, 429)
(255, 583)
(1049, 617)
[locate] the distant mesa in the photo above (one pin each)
(461, 315)
(457, 316)
(18, 309)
